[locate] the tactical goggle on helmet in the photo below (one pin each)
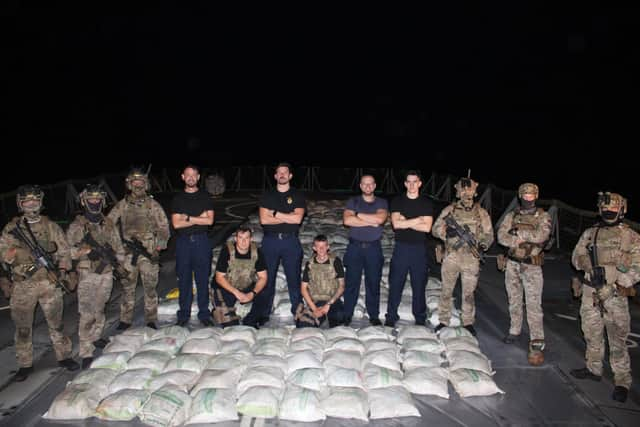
(28, 193)
(137, 175)
(528, 188)
(465, 186)
(612, 202)
(95, 192)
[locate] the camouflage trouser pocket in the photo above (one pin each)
(439, 253)
(501, 262)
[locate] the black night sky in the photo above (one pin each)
(516, 93)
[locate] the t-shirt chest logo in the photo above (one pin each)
(289, 200)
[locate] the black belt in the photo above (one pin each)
(281, 236)
(363, 243)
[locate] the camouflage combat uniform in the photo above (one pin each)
(144, 219)
(617, 251)
(28, 290)
(94, 289)
(532, 226)
(462, 262)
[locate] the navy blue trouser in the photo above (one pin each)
(408, 258)
(361, 256)
(288, 249)
(193, 257)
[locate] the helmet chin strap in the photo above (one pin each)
(467, 202)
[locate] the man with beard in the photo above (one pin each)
(191, 215)
(140, 219)
(365, 216)
(281, 213)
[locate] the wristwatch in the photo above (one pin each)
(274, 213)
(255, 294)
(188, 218)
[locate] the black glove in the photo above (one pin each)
(451, 232)
(93, 256)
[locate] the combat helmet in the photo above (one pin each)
(28, 193)
(466, 191)
(93, 192)
(612, 206)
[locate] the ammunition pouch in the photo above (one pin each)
(626, 292)
(439, 252)
(501, 262)
(576, 286)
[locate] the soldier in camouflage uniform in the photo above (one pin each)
(144, 220)
(608, 254)
(525, 232)
(241, 274)
(32, 284)
(460, 259)
(95, 274)
(322, 286)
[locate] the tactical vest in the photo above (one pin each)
(241, 273)
(463, 217)
(24, 265)
(102, 233)
(613, 249)
(137, 221)
(531, 253)
(323, 280)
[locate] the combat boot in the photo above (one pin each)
(510, 339)
(69, 364)
(536, 356)
(620, 394)
(584, 374)
(23, 374)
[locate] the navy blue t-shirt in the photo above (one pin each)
(368, 233)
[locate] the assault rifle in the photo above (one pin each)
(136, 247)
(107, 256)
(42, 258)
(465, 236)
